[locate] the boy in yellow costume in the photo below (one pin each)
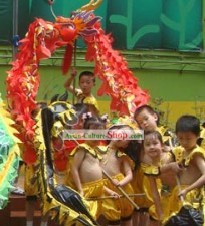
(118, 211)
(84, 94)
(191, 180)
(84, 171)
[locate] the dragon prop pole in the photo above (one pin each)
(15, 28)
(74, 65)
(121, 190)
(113, 197)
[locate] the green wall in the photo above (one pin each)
(158, 24)
(174, 77)
(176, 86)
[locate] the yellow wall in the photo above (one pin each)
(172, 110)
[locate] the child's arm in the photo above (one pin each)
(68, 82)
(199, 162)
(169, 164)
(172, 166)
(156, 197)
(77, 161)
(127, 172)
(111, 192)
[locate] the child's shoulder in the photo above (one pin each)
(90, 100)
(85, 147)
(198, 151)
(179, 154)
(102, 149)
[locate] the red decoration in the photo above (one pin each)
(62, 151)
(42, 39)
(67, 59)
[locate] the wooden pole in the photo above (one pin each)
(121, 190)
(15, 27)
(74, 65)
(112, 197)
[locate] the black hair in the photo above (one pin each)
(93, 120)
(117, 127)
(80, 108)
(188, 123)
(155, 133)
(141, 108)
(133, 150)
(87, 73)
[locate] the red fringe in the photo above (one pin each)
(67, 60)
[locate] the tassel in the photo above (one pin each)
(67, 59)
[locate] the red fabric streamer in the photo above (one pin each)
(67, 60)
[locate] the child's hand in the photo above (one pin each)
(73, 72)
(112, 193)
(182, 194)
(115, 195)
(176, 167)
(116, 182)
(81, 192)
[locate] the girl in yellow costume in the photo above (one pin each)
(152, 157)
(84, 171)
(155, 163)
(118, 211)
(148, 121)
(191, 180)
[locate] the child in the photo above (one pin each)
(117, 164)
(191, 180)
(153, 150)
(84, 95)
(156, 165)
(84, 171)
(148, 120)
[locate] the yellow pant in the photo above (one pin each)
(117, 209)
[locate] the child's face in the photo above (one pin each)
(187, 140)
(152, 146)
(122, 144)
(123, 133)
(146, 120)
(86, 84)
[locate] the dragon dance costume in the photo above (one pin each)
(10, 154)
(41, 40)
